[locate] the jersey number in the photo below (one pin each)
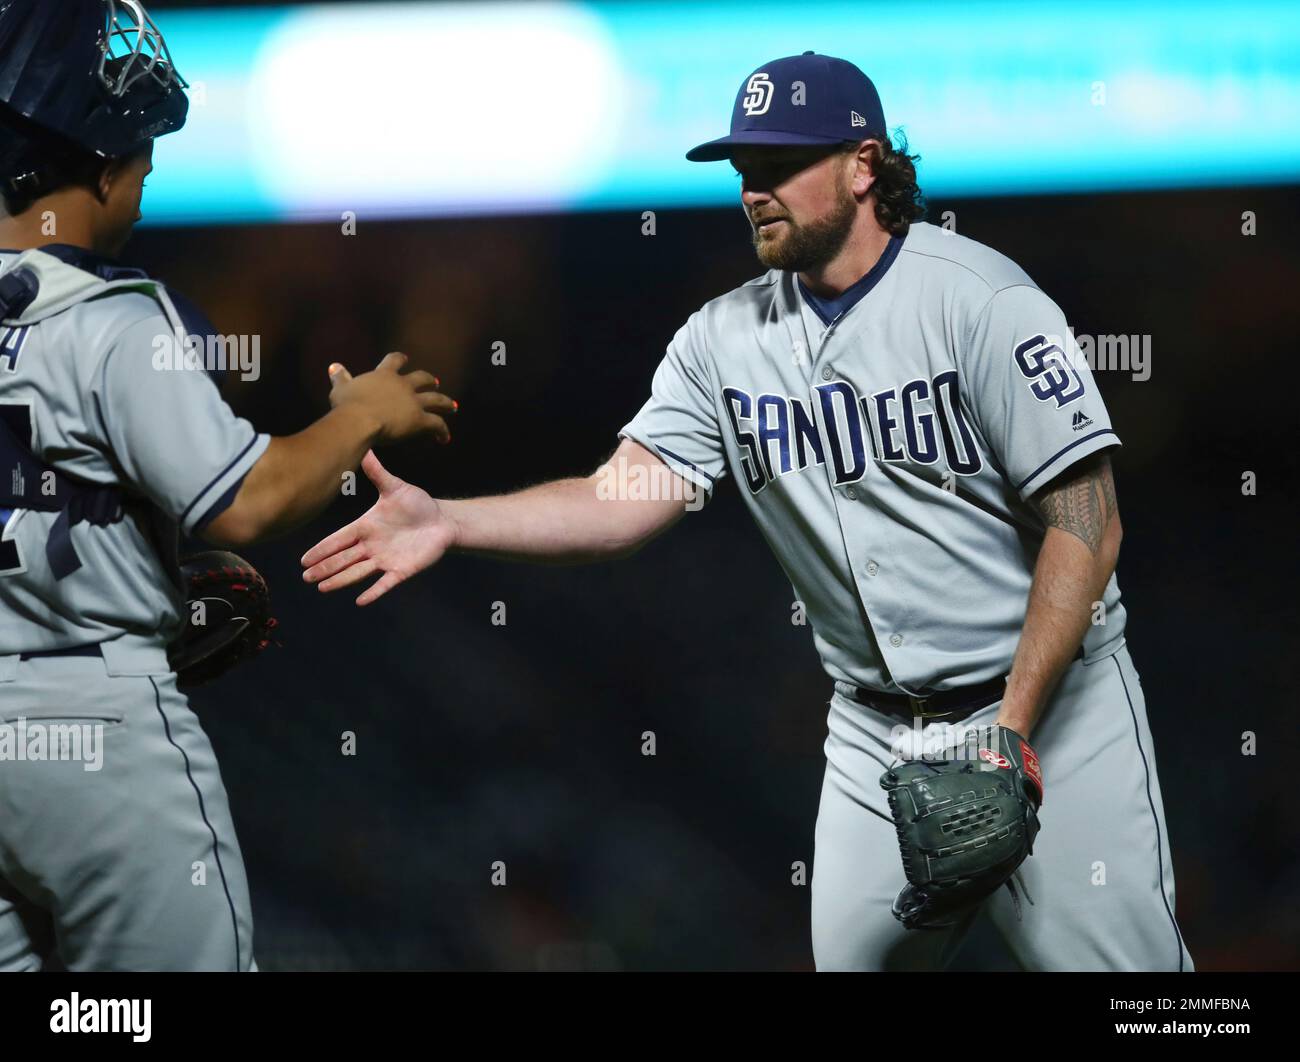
(18, 419)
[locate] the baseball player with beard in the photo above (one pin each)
(928, 457)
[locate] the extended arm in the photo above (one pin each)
(1074, 565)
(566, 521)
(298, 475)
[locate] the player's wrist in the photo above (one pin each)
(1017, 721)
(449, 528)
(364, 425)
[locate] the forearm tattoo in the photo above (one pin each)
(1083, 505)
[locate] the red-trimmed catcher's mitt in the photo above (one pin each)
(228, 617)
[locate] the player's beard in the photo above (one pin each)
(802, 248)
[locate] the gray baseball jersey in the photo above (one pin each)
(887, 443)
(88, 372)
(887, 454)
(127, 860)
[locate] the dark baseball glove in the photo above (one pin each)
(965, 823)
(228, 617)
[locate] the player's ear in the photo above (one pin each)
(863, 163)
(123, 168)
(109, 174)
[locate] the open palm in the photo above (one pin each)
(404, 532)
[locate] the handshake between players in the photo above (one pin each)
(299, 474)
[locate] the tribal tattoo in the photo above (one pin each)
(1084, 504)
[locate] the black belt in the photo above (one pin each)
(959, 702)
(73, 650)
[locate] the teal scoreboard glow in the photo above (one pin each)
(390, 110)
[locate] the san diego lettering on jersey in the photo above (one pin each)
(920, 422)
(905, 431)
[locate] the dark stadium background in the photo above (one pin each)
(478, 743)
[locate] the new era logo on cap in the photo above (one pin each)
(801, 100)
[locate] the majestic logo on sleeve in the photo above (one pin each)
(758, 95)
(920, 422)
(1047, 368)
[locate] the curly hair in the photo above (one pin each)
(899, 201)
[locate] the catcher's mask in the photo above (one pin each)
(78, 78)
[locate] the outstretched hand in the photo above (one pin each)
(400, 404)
(403, 533)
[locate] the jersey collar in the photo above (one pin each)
(830, 309)
(96, 264)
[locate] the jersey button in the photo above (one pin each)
(827, 373)
(873, 568)
(895, 640)
(850, 493)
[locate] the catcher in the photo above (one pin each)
(117, 849)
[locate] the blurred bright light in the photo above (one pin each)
(389, 110)
(404, 110)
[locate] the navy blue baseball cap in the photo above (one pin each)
(833, 102)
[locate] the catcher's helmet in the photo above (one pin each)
(80, 77)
